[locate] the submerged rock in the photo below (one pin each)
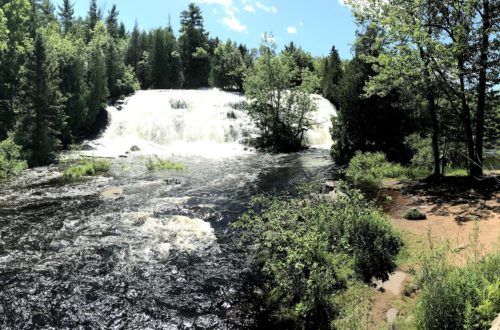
(135, 149)
(112, 193)
(87, 147)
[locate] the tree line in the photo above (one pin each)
(422, 86)
(430, 68)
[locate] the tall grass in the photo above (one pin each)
(164, 165)
(88, 167)
(454, 297)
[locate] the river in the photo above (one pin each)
(137, 249)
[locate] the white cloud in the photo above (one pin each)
(301, 23)
(249, 8)
(271, 9)
(230, 19)
(232, 22)
(292, 30)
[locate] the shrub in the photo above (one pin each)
(88, 167)
(370, 168)
(11, 162)
(455, 297)
(414, 214)
(422, 151)
(164, 165)
(311, 249)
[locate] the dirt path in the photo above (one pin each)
(451, 218)
(451, 213)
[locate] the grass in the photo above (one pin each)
(164, 165)
(88, 167)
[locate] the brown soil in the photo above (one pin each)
(453, 209)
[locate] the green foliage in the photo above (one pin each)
(368, 124)
(11, 162)
(41, 118)
(164, 165)
(421, 150)
(280, 110)
(455, 297)
(369, 169)
(193, 45)
(331, 76)
(228, 67)
(89, 167)
(311, 249)
(354, 308)
(414, 214)
(365, 168)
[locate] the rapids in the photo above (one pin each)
(157, 252)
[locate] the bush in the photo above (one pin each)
(164, 165)
(11, 162)
(88, 168)
(311, 249)
(414, 214)
(458, 298)
(422, 151)
(370, 168)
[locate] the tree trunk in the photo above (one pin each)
(477, 164)
(466, 119)
(431, 106)
(431, 99)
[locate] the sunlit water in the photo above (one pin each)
(158, 253)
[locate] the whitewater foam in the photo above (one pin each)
(209, 123)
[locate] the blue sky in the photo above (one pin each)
(315, 25)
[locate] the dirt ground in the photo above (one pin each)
(455, 210)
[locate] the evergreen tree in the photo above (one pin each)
(41, 118)
(112, 23)
(133, 54)
(93, 15)
(332, 74)
(165, 60)
(300, 61)
(367, 124)
(15, 50)
(96, 76)
(66, 13)
(227, 66)
(194, 48)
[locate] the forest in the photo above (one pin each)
(439, 90)
(418, 103)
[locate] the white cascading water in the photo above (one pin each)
(208, 123)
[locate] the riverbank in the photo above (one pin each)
(465, 218)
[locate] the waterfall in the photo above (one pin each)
(201, 122)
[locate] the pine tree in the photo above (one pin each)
(41, 119)
(96, 76)
(332, 73)
(66, 13)
(193, 46)
(165, 60)
(17, 22)
(112, 22)
(93, 15)
(133, 54)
